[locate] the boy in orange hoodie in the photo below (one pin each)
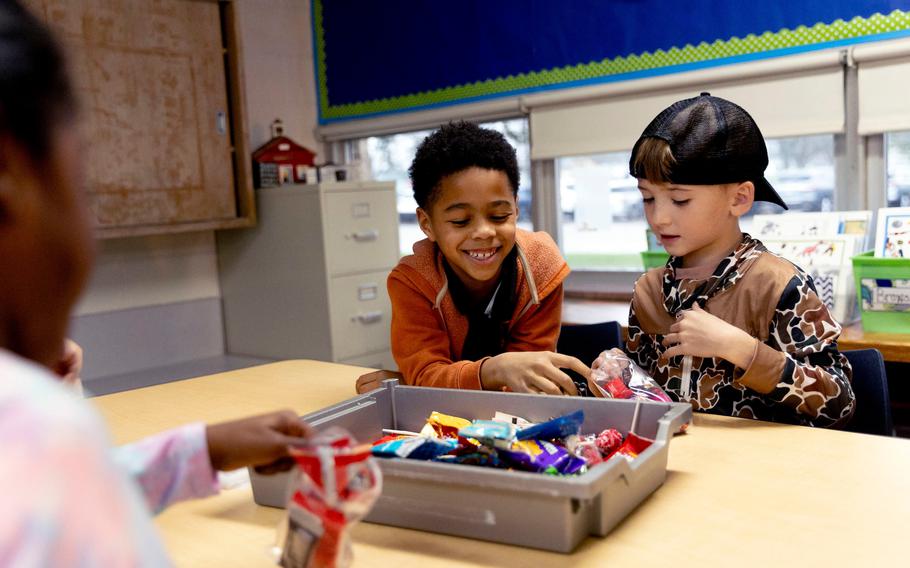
(479, 303)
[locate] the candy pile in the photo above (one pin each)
(555, 447)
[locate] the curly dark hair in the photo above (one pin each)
(455, 147)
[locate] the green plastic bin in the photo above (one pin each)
(654, 259)
(883, 306)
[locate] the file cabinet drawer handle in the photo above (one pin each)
(364, 236)
(369, 317)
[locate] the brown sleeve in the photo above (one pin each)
(800, 365)
(421, 345)
(765, 369)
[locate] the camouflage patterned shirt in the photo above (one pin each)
(796, 375)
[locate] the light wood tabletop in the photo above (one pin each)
(738, 492)
(895, 347)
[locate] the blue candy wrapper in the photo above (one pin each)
(490, 433)
(561, 427)
(414, 448)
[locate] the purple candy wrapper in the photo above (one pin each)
(535, 455)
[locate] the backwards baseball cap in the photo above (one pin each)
(714, 142)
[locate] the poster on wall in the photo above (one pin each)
(892, 237)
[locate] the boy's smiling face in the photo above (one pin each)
(697, 222)
(472, 220)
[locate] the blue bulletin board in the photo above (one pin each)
(378, 57)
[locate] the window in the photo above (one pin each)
(603, 218)
(389, 157)
(897, 160)
(603, 223)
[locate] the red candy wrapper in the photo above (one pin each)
(335, 485)
(633, 446)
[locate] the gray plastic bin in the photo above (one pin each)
(527, 509)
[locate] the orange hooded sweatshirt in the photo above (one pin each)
(428, 332)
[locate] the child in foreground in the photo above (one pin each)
(726, 325)
(68, 498)
(479, 303)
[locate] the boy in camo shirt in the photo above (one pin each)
(726, 325)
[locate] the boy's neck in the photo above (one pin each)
(481, 291)
(712, 254)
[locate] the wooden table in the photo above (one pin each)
(738, 492)
(895, 347)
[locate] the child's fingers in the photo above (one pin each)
(569, 362)
(674, 351)
(670, 339)
(564, 381)
(544, 385)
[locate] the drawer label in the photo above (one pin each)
(360, 210)
(885, 295)
(367, 292)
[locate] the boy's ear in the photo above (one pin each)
(742, 198)
(423, 219)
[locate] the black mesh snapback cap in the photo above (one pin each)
(714, 142)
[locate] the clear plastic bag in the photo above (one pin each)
(614, 375)
(334, 486)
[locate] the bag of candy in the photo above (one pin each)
(335, 485)
(614, 375)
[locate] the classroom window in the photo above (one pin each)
(603, 224)
(897, 160)
(389, 158)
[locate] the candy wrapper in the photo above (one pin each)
(633, 446)
(334, 486)
(414, 448)
(490, 433)
(445, 426)
(557, 428)
(541, 456)
(616, 376)
(608, 441)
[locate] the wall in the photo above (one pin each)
(155, 301)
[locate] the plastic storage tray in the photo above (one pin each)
(527, 509)
(877, 273)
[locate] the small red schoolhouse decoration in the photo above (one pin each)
(281, 160)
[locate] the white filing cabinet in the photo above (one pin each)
(309, 281)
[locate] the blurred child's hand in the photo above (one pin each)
(260, 441)
(532, 372)
(701, 334)
(69, 366)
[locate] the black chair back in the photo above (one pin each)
(870, 385)
(585, 342)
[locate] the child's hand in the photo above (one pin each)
(70, 364)
(701, 334)
(260, 441)
(532, 371)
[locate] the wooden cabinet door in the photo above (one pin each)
(151, 81)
